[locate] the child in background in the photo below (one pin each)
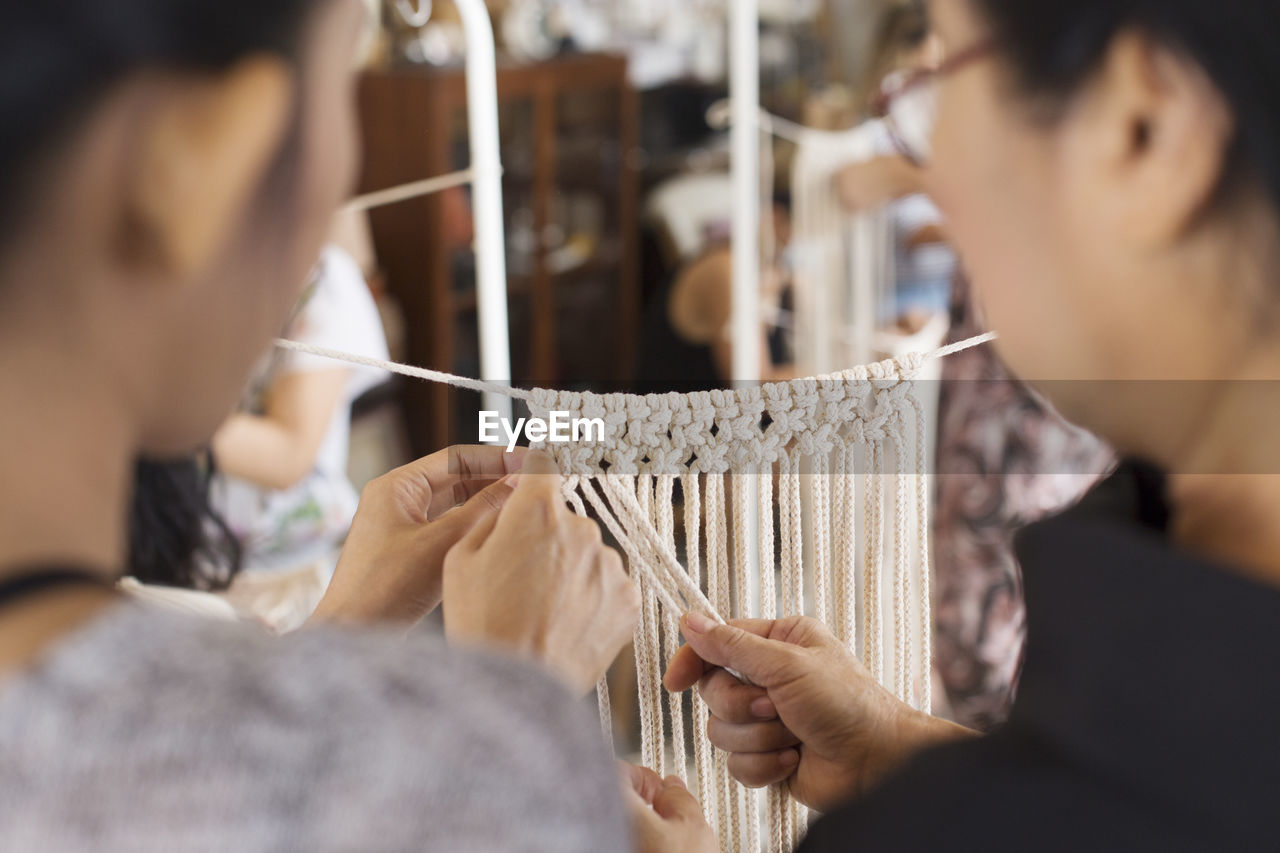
(281, 482)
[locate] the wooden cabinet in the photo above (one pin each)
(569, 139)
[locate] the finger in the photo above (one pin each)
(756, 770)
(674, 802)
(643, 781)
(767, 663)
(625, 597)
(473, 469)
(539, 476)
(488, 502)
(735, 702)
(539, 463)
(470, 471)
(450, 476)
(648, 827)
(685, 668)
(750, 737)
(539, 496)
(484, 462)
(479, 533)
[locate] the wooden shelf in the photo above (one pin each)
(414, 123)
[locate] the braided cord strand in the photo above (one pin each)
(665, 505)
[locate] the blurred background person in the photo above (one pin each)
(281, 484)
(924, 265)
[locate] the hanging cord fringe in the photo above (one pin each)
(639, 512)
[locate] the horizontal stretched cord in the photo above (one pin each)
(506, 390)
(405, 192)
(408, 370)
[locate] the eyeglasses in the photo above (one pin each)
(908, 103)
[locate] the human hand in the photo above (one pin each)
(392, 565)
(817, 717)
(664, 815)
(871, 184)
(537, 580)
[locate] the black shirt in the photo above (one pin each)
(1147, 718)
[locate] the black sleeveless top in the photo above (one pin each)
(1145, 718)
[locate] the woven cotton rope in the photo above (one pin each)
(812, 492)
(817, 454)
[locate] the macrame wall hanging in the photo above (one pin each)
(808, 497)
(802, 497)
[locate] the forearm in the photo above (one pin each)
(930, 235)
(260, 451)
(906, 178)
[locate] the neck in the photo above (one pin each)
(1225, 484)
(66, 464)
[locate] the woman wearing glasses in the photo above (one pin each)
(1110, 176)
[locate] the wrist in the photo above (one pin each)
(908, 733)
(920, 730)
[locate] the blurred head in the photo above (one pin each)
(903, 42)
(168, 171)
(1111, 175)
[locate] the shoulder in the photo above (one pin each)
(339, 312)
(338, 294)
(340, 274)
(336, 737)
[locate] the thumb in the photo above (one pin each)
(765, 662)
(538, 500)
(484, 504)
(674, 802)
(539, 477)
(538, 463)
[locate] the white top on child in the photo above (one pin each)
(288, 529)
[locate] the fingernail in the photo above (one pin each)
(763, 708)
(675, 781)
(512, 480)
(698, 623)
(789, 757)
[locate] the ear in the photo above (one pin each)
(1163, 132)
(203, 153)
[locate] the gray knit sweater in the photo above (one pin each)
(149, 731)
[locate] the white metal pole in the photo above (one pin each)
(486, 164)
(744, 92)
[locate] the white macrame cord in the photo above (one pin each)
(836, 467)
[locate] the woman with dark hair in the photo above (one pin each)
(1110, 172)
(168, 172)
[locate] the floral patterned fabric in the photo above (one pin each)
(1004, 460)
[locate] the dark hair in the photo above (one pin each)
(1056, 46)
(175, 537)
(58, 59)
